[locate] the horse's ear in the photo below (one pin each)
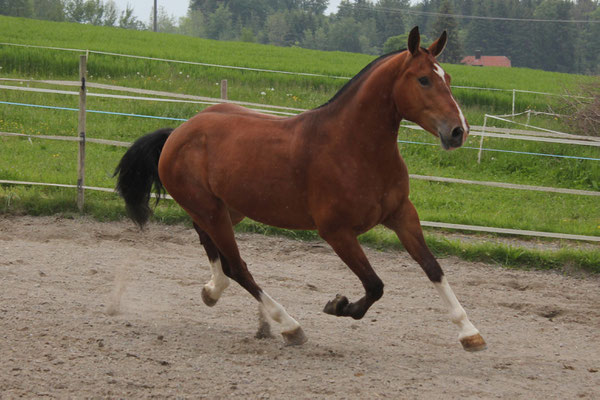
(414, 41)
(438, 46)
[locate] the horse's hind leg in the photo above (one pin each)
(220, 231)
(408, 228)
(211, 292)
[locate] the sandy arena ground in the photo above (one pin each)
(58, 277)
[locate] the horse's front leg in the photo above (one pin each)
(405, 222)
(348, 249)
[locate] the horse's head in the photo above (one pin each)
(422, 93)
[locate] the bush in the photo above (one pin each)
(583, 114)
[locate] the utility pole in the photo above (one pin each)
(155, 17)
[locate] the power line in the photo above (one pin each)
(460, 16)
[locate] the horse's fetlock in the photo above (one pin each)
(375, 290)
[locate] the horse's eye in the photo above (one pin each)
(424, 81)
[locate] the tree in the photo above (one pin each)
(16, 8)
(316, 7)
(193, 24)
(111, 13)
(75, 11)
(389, 19)
(128, 21)
(344, 35)
(399, 42)
(277, 28)
(219, 25)
(165, 22)
(85, 12)
(247, 35)
(554, 43)
(51, 10)
(446, 22)
(587, 47)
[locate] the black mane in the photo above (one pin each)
(357, 76)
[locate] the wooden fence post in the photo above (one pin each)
(81, 130)
(514, 98)
(224, 89)
(481, 140)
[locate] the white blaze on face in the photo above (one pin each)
(437, 68)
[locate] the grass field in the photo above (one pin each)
(41, 160)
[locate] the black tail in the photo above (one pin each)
(137, 172)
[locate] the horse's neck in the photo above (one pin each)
(367, 113)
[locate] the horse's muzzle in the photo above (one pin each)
(454, 139)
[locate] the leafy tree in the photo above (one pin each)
(399, 42)
(247, 35)
(85, 12)
(344, 36)
(454, 50)
(128, 21)
(552, 54)
(165, 22)
(75, 11)
(51, 10)
(111, 13)
(395, 43)
(390, 22)
(219, 25)
(277, 28)
(192, 24)
(587, 49)
(16, 8)
(316, 7)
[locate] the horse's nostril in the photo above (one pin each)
(458, 131)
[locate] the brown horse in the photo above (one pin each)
(335, 169)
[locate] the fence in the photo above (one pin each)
(548, 135)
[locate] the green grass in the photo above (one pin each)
(50, 161)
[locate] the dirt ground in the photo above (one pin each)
(58, 277)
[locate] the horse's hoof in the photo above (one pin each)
(295, 337)
(336, 306)
(209, 301)
(473, 343)
(264, 332)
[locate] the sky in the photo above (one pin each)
(178, 8)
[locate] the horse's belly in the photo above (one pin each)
(271, 198)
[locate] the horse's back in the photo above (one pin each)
(234, 109)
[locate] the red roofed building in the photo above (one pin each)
(486, 61)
